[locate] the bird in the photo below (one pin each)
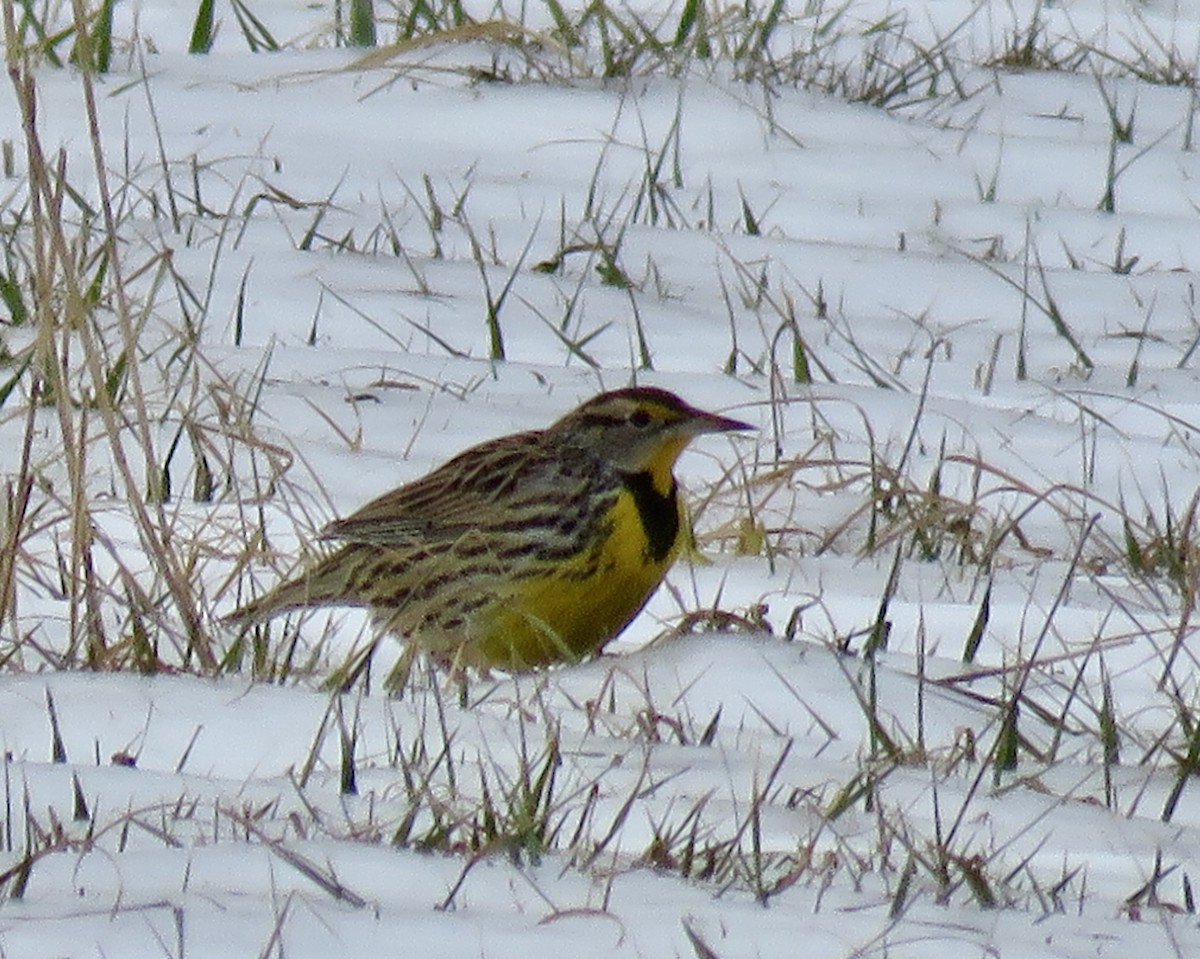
(525, 551)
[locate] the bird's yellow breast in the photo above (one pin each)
(578, 605)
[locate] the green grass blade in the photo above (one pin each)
(102, 37)
(362, 23)
(687, 20)
(562, 24)
(203, 28)
(258, 37)
(10, 384)
(975, 637)
(1008, 742)
(114, 382)
(47, 42)
(10, 296)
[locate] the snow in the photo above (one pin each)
(763, 786)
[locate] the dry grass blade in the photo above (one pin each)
(325, 879)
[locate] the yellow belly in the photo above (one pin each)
(563, 615)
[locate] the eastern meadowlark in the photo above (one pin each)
(526, 550)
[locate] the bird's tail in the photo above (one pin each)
(322, 585)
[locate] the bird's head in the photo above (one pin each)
(640, 429)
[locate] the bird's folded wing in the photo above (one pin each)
(453, 499)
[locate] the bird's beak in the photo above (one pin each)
(702, 422)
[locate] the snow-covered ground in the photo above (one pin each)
(990, 272)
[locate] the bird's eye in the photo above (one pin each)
(640, 419)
